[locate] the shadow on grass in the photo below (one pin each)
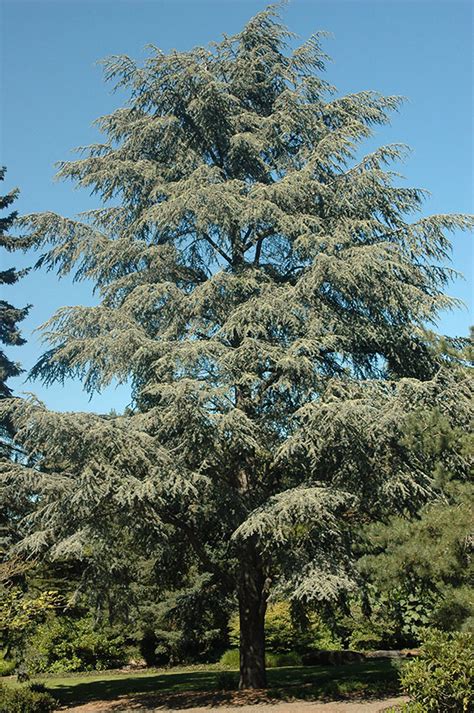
(83, 691)
(183, 690)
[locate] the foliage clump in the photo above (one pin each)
(66, 644)
(441, 679)
(22, 609)
(7, 666)
(181, 626)
(16, 699)
(231, 659)
(289, 629)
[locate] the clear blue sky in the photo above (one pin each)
(51, 91)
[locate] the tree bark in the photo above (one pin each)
(252, 607)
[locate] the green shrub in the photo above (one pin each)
(281, 634)
(288, 658)
(396, 620)
(441, 679)
(183, 626)
(64, 644)
(15, 699)
(372, 633)
(284, 635)
(7, 666)
(231, 658)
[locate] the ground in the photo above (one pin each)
(367, 686)
(135, 705)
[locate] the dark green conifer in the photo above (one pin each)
(9, 316)
(10, 335)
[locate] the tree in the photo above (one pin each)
(425, 561)
(265, 295)
(9, 315)
(9, 335)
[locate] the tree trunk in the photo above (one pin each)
(252, 607)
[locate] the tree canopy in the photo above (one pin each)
(265, 293)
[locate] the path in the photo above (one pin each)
(134, 705)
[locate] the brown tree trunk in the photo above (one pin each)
(252, 607)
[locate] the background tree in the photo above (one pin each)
(422, 567)
(10, 336)
(17, 612)
(9, 315)
(265, 295)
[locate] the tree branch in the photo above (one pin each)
(259, 237)
(258, 251)
(216, 247)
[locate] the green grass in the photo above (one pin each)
(368, 678)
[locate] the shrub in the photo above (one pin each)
(182, 626)
(7, 666)
(231, 659)
(64, 644)
(288, 658)
(387, 620)
(284, 635)
(331, 658)
(441, 679)
(372, 633)
(20, 613)
(281, 635)
(15, 699)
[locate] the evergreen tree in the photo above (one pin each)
(424, 564)
(9, 315)
(265, 294)
(9, 335)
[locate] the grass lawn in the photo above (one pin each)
(378, 677)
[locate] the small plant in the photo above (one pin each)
(25, 700)
(441, 679)
(289, 658)
(7, 666)
(230, 658)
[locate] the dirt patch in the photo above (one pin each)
(243, 702)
